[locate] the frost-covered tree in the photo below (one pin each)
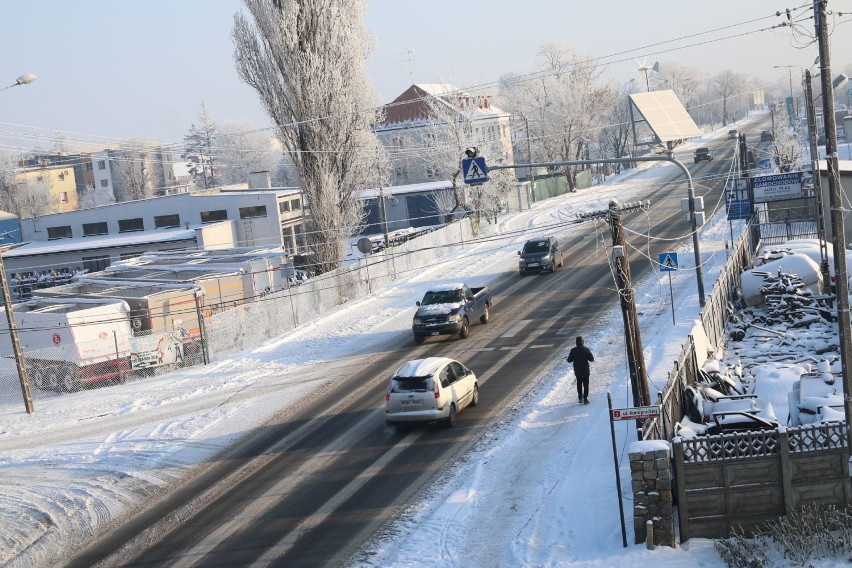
(243, 149)
(787, 149)
(726, 84)
(200, 146)
(687, 82)
(455, 121)
(615, 137)
(131, 166)
(562, 103)
(305, 59)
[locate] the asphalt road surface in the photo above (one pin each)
(311, 488)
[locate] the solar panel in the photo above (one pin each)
(665, 115)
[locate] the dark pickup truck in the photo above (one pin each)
(449, 310)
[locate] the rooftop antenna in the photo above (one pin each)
(409, 60)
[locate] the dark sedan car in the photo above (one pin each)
(702, 154)
(540, 255)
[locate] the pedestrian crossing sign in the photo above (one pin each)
(668, 261)
(474, 170)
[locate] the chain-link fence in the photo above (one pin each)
(114, 358)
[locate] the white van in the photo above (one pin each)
(427, 390)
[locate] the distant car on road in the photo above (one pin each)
(702, 154)
(766, 136)
(430, 390)
(540, 255)
(733, 133)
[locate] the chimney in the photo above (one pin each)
(260, 180)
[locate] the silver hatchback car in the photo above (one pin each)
(429, 390)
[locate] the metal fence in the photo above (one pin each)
(136, 356)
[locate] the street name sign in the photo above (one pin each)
(636, 413)
(474, 170)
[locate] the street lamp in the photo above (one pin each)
(790, 70)
(22, 80)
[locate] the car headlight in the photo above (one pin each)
(522, 263)
(454, 317)
(417, 321)
(545, 258)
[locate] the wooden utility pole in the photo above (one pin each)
(626, 294)
(836, 213)
(814, 152)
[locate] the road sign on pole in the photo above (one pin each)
(668, 261)
(474, 169)
(636, 413)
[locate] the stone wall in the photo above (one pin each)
(651, 479)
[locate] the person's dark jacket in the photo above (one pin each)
(581, 356)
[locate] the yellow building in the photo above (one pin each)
(41, 191)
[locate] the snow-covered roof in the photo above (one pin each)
(101, 242)
(409, 188)
(421, 367)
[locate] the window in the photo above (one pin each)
(89, 166)
(90, 229)
(432, 171)
(130, 225)
(63, 197)
(167, 221)
(254, 211)
(61, 176)
(129, 255)
(104, 182)
(212, 216)
(398, 142)
(296, 204)
(402, 173)
(95, 263)
(59, 232)
(101, 164)
(40, 179)
(91, 185)
(283, 206)
(429, 139)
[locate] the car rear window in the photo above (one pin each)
(411, 384)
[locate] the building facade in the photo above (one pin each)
(46, 189)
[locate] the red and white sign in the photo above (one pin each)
(57, 339)
(637, 413)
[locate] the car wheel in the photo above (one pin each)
(418, 339)
(465, 330)
(486, 315)
(522, 273)
(451, 417)
(475, 399)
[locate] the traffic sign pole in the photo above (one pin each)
(617, 474)
(671, 296)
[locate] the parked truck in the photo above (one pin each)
(450, 309)
(69, 343)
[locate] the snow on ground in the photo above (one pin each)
(537, 490)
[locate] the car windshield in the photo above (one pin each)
(703, 151)
(441, 297)
(536, 246)
(411, 384)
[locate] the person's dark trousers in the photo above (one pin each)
(583, 387)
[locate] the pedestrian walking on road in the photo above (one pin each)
(581, 356)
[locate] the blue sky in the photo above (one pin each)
(110, 70)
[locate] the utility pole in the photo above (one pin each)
(16, 345)
(627, 298)
(529, 155)
(814, 151)
(836, 210)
